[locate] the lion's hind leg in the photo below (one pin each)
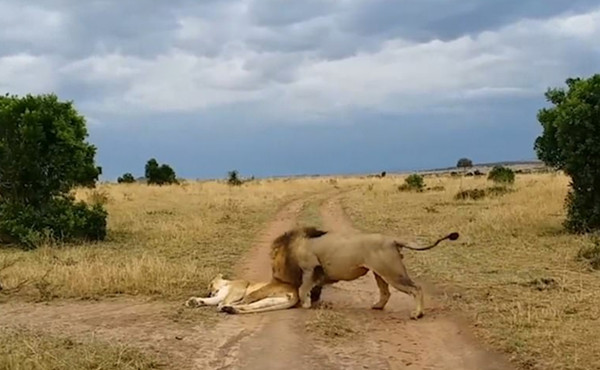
(391, 270)
(274, 303)
(384, 292)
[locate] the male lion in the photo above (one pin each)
(309, 258)
(240, 296)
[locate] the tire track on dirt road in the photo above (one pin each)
(432, 342)
(275, 339)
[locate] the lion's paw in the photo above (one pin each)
(194, 302)
(229, 310)
(416, 315)
(306, 304)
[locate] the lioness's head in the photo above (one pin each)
(215, 284)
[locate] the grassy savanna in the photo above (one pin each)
(165, 241)
(514, 270)
(25, 350)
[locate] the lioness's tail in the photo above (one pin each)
(451, 236)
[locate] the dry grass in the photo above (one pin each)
(163, 241)
(27, 350)
(519, 275)
(517, 271)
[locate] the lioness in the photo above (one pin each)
(309, 260)
(239, 296)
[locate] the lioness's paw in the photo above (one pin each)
(306, 304)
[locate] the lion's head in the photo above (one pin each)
(283, 262)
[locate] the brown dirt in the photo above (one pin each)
(274, 340)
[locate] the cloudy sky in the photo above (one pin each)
(275, 87)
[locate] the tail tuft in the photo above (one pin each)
(453, 236)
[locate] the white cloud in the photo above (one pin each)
(517, 60)
(25, 73)
(32, 24)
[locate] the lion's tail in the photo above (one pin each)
(451, 236)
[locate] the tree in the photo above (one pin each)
(464, 163)
(570, 142)
(159, 175)
(127, 178)
(43, 156)
(233, 178)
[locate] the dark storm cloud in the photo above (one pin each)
(214, 85)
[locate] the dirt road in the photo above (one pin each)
(275, 340)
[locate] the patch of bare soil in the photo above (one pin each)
(436, 341)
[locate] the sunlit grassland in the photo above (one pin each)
(513, 272)
(162, 241)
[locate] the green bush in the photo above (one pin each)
(570, 142)
(415, 182)
(501, 174)
(127, 178)
(159, 175)
(43, 156)
(60, 219)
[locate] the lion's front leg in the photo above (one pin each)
(209, 301)
(305, 289)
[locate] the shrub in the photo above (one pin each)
(127, 178)
(60, 219)
(43, 156)
(477, 194)
(474, 194)
(233, 178)
(437, 188)
(413, 182)
(159, 175)
(501, 174)
(570, 142)
(498, 190)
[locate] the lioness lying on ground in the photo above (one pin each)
(239, 296)
(308, 258)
